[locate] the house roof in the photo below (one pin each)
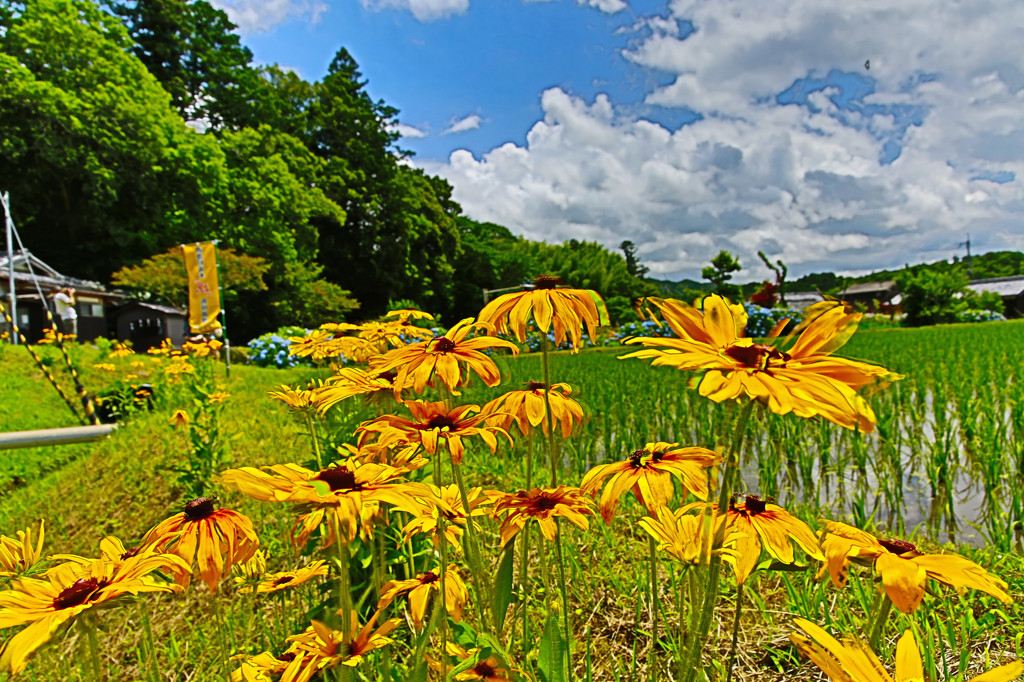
(28, 268)
(884, 287)
(1004, 286)
(163, 309)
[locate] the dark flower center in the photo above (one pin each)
(339, 478)
(757, 356)
(484, 670)
(284, 579)
(287, 657)
(535, 385)
(77, 593)
(440, 421)
(443, 344)
(545, 503)
(636, 457)
(200, 508)
(388, 376)
(429, 577)
(897, 546)
(130, 553)
(755, 505)
(546, 282)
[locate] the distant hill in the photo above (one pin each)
(984, 266)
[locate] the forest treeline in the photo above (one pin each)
(129, 127)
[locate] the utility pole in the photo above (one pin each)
(970, 265)
(5, 199)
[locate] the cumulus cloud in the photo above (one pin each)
(259, 16)
(409, 131)
(800, 151)
(424, 10)
(471, 122)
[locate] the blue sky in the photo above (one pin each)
(694, 126)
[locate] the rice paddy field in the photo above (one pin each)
(576, 599)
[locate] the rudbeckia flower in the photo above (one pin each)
(648, 473)
(525, 407)
(264, 667)
(903, 569)
(406, 314)
(300, 401)
(805, 380)
(179, 420)
(322, 648)
(343, 492)
(763, 524)
(567, 310)
(352, 381)
(446, 502)
(214, 537)
(18, 556)
(444, 357)
(853, 661)
(491, 669)
(542, 504)
(322, 344)
(65, 591)
(686, 536)
(431, 423)
(275, 582)
(422, 587)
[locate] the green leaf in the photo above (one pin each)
(469, 662)
(419, 673)
(551, 656)
(503, 586)
(321, 487)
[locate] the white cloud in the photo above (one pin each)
(471, 122)
(805, 183)
(409, 131)
(259, 16)
(424, 10)
(606, 6)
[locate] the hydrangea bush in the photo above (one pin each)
(271, 349)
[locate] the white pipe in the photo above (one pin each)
(61, 436)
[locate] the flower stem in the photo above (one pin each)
(735, 632)
(344, 576)
(565, 598)
(316, 441)
(878, 625)
(652, 658)
(524, 557)
(730, 466)
(94, 649)
(549, 430)
(472, 549)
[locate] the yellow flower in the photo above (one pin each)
(491, 669)
(762, 524)
(686, 536)
(446, 502)
(254, 569)
(525, 407)
(406, 314)
(543, 504)
(179, 420)
(136, 364)
(264, 667)
(300, 401)
(202, 349)
(401, 456)
(853, 661)
(218, 396)
(211, 536)
(18, 556)
(344, 491)
(105, 367)
(431, 423)
(352, 381)
(420, 590)
(443, 357)
(322, 345)
(165, 348)
(805, 380)
(275, 582)
(67, 590)
(648, 473)
(903, 569)
(121, 350)
(566, 309)
(321, 647)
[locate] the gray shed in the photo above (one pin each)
(146, 325)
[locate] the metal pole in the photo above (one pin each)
(5, 198)
(223, 316)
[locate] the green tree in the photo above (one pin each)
(932, 296)
(720, 272)
(633, 265)
(192, 49)
(163, 277)
(101, 169)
